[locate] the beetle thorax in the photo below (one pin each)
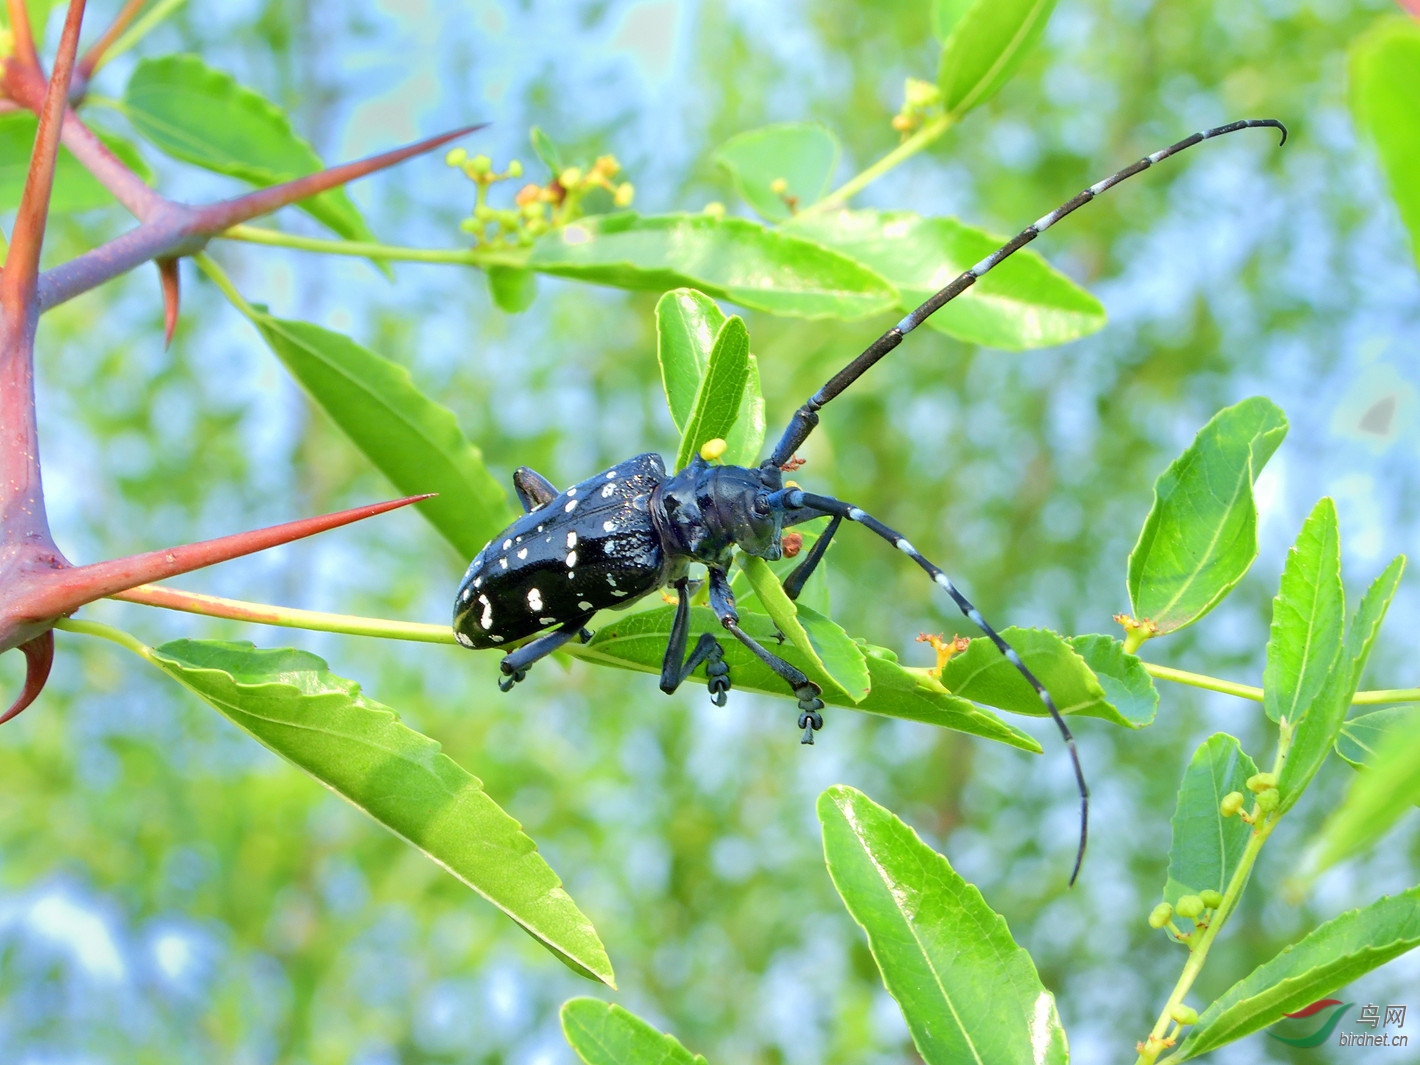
(705, 511)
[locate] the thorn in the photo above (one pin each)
(168, 277)
(39, 657)
(69, 589)
(17, 287)
(216, 217)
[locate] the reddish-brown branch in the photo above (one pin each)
(23, 33)
(22, 263)
(39, 657)
(168, 277)
(176, 229)
(96, 52)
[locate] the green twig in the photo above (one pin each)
(1247, 691)
(370, 250)
(904, 151)
(106, 632)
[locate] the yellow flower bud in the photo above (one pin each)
(624, 194)
(712, 449)
(456, 157)
(1160, 915)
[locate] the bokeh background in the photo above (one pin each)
(171, 892)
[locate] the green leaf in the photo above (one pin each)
(801, 154)
(1321, 722)
(1335, 954)
(1308, 618)
(290, 702)
(513, 290)
(834, 655)
(1201, 534)
(1021, 304)
(1206, 845)
(967, 991)
(985, 47)
(1379, 794)
(1364, 737)
(191, 112)
(546, 150)
(982, 674)
(638, 641)
(603, 1033)
(945, 16)
(1385, 98)
(413, 441)
(75, 189)
(1126, 683)
(687, 323)
(726, 258)
(721, 391)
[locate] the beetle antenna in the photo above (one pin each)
(794, 499)
(806, 417)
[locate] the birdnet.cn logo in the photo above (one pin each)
(1373, 1026)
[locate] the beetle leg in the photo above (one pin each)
(515, 663)
(794, 583)
(675, 667)
(534, 490)
(722, 601)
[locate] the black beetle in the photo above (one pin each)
(608, 540)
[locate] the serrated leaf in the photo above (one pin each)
(1206, 845)
(75, 189)
(842, 652)
(726, 258)
(637, 641)
(1385, 99)
(546, 150)
(1126, 683)
(1200, 537)
(292, 704)
(1321, 722)
(1021, 304)
(720, 393)
(800, 154)
(687, 323)
(1363, 737)
(967, 991)
(987, 44)
(412, 440)
(602, 1033)
(196, 114)
(1338, 952)
(1308, 618)
(513, 290)
(983, 674)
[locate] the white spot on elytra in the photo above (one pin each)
(487, 620)
(608, 526)
(523, 553)
(611, 475)
(534, 599)
(619, 594)
(608, 490)
(571, 492)
(463, 639)
(571, 559)
(507, 544)
(503, 562)
(467, 594)
(571, 506)
(584, 605)
(571, 539)
(478, 582)
(611, 580)
(539, 528)
(546, 621)
(495, 639)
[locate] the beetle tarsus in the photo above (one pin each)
(717, 675)
(810, 720)
(506, 682)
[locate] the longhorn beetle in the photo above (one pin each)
(613, 538)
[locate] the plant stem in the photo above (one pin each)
(1387, 695)
(904, 151)
(286, 617)
(106, 632)
(370, 250)
(1247, 691)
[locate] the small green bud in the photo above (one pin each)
(480, 164)
(1211, 899)
(1231, 804)
(456, 157)
(1184, 1014)
(471, 225)
(1160, 914)
(1268, 800)
(536, 209)
(515, 169)
(919, 94)
(1260, 782)
(625, 193)
(1190, 906)
(484, 213)
(715, 209)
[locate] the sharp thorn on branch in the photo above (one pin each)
(168, 277)
(39, 657)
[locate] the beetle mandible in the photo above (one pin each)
(615, 537)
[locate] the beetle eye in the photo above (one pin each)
(761, 504)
